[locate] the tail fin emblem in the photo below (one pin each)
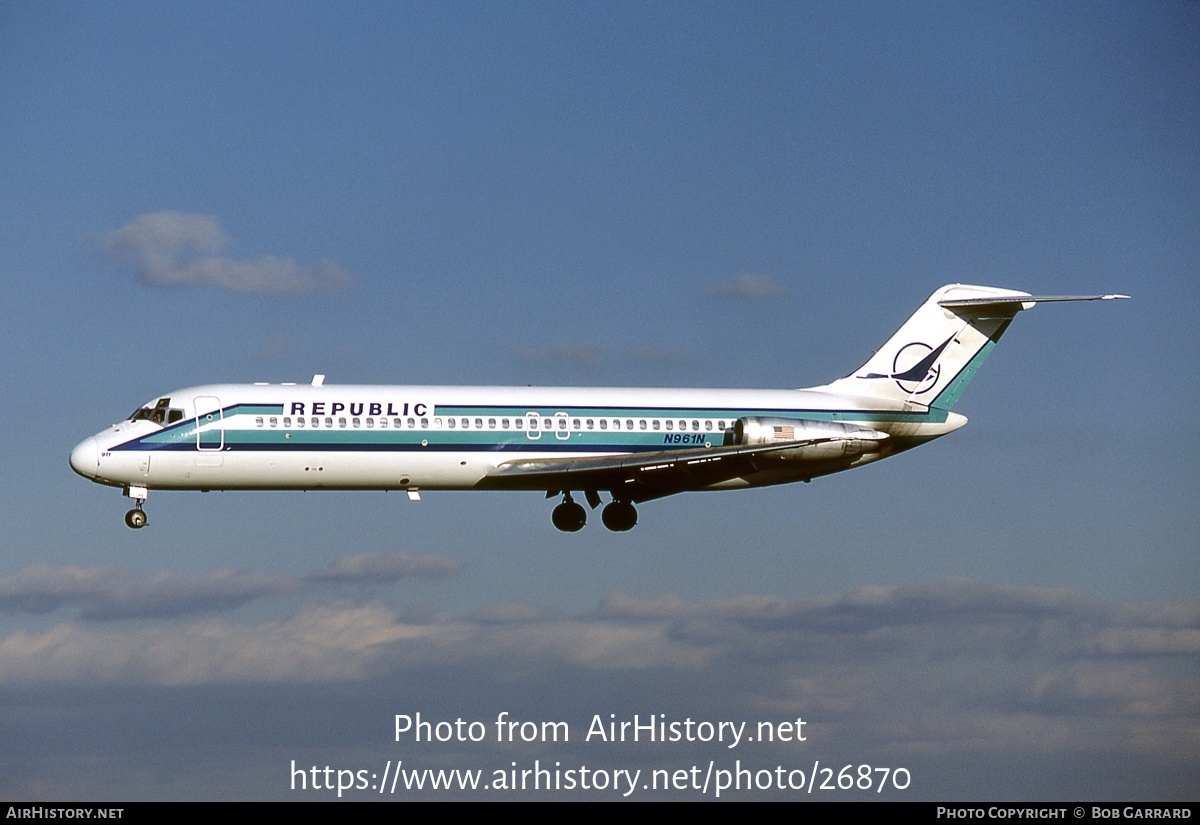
(920, 370)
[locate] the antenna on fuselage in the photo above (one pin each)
(318, 380)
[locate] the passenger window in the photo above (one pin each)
(287, 422)
(274, 421)
(491, 423)
(412, 424)
(670, 424)
(655, 423)
(504, 423)
(642, 424)
(342, 423)
(258, 422)
(370, 423)
(424, 423)
(329, 422)
(451, 423)
(604, 423)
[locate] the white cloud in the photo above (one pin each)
(177, 249)
(114, 593)
(370, 567)
(829, 639)
(509, 612)
(950, 670)
(321, 643)
(318, 644)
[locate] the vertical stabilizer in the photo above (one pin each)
(930, 359)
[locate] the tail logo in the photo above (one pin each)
(915, 369)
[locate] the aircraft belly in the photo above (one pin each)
(785, 471)
(304, 470)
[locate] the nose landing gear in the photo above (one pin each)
(136, 518)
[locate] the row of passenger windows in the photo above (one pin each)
(521, 423)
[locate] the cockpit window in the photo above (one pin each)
(160, 413)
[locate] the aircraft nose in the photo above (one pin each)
(85, 458)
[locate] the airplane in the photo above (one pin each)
(635, 445)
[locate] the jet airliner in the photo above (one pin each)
(631, 445)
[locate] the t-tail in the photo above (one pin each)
(932, 357)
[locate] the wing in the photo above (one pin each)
(643, 476)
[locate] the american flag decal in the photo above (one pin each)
(786, 433)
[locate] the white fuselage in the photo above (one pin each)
(302, 437)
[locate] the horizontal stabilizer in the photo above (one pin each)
(1009, 301)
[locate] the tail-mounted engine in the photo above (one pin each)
(820, 440)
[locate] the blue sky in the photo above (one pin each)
(726, 195)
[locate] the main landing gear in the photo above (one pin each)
(619, 516)
(136, 518)
(570, 516)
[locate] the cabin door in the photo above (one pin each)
(210, 424)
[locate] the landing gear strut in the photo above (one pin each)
(569, 516)
(136, 518)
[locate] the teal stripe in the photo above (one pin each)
(948, 397)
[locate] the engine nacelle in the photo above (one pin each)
(826, 440)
